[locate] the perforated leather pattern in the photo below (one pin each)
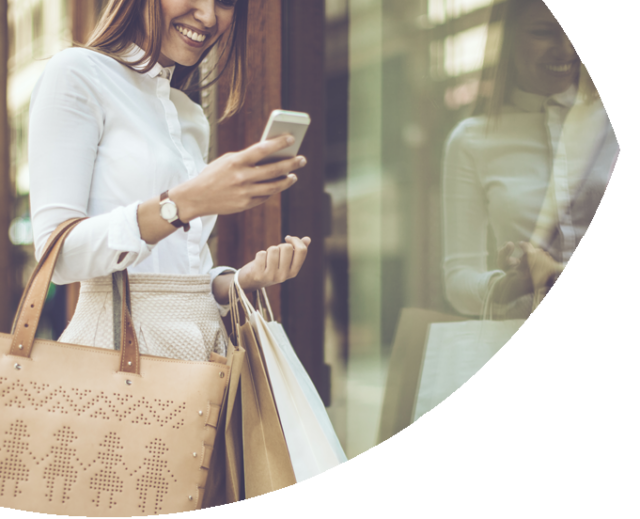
(94, 404)
(80, 434)
(13, 467)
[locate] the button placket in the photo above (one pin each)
(175, 130)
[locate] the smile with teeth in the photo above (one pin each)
(192, 35)
(559, 68)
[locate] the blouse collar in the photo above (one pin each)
(135, 53)
(536, 103)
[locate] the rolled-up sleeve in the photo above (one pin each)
(66, 126)
(466, 224)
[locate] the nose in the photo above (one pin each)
(205, 13)
(564, 48)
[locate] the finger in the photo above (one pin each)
(299, 254)
(527, 247)
(507, 246)
(512, 262)
(261, 150)
(306, 240)
(275, 170)
(261, 261)
(506, 250)
(268, 189)
(273, 261)
(286, 260)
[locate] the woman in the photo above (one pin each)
(115, 138)
(531, 167)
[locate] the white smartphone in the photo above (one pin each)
(281, 122)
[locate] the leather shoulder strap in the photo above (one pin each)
(35, 293)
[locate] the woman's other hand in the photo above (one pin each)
(506, 260)
(234, 183)
(275, 265)
(542, 266)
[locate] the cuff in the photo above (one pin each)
(214, 273)
(124, 236)
(485, 281)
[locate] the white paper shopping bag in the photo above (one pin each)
(313, 444)
(478, 424)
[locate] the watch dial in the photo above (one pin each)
(168, 211)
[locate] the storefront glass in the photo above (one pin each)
(467, 152)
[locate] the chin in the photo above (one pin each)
(187, 62)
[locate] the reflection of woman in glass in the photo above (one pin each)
(532, 166)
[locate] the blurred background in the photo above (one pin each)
(395, 77)
(385, 82)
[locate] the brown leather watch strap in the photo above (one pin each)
(177, 222)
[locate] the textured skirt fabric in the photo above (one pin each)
(174, 316)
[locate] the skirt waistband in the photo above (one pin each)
(153, 283)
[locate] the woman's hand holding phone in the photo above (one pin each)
(234, 183)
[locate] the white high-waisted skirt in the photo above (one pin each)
(174, 316)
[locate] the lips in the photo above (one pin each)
(191, 34)
(559, 68)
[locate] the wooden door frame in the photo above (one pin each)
(286, 64)
(6, 198)
(305, 212)
(241, 236)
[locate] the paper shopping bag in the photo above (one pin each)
(479, 417)
(405, 368)
(312, 442)
(226, 481)
(266, 460)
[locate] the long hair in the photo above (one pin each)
(498, 81)
(123, 22)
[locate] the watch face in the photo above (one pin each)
(168, 211)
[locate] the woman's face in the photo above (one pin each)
(191, 27)
(545, 61)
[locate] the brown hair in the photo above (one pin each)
(123, 22)
(498, 80)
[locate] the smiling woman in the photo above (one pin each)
(114, 139)
(173, 32)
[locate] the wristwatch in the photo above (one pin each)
(169, 211)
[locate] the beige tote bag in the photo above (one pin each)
(94, 432)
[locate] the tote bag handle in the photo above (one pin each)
(34, 296)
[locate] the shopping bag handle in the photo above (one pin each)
(35, 294)
(261, 295)
(237, 299)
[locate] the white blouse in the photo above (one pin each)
(103, 138)
(537, 176)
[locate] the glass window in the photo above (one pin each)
(467, 151)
